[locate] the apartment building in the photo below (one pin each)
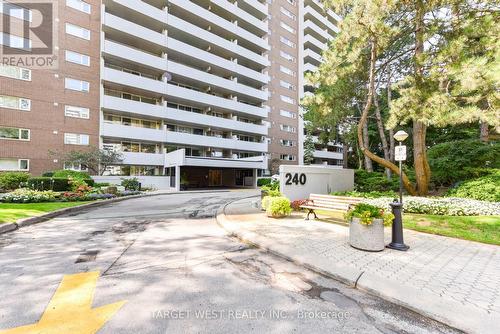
(52, 109)
(320, 26)
(206, 92)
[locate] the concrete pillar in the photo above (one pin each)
(177, 178)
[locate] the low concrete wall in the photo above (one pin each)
(157, 182)
(298, 182)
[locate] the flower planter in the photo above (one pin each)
(367, 237)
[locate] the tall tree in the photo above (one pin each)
(309, 149)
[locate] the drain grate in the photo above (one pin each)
(87, 256)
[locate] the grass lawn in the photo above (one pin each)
(484, 229)
(10, 212)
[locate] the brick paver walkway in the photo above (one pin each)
(446, 269)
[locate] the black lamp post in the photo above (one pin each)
(397, 242)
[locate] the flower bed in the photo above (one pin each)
(449, 206)
(29, 196)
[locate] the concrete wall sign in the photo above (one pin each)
(297, 182)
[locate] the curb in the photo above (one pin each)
(446, 311)
(9, 227)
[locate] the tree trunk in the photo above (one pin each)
(364, 117)
(381, 132)
(392, 141)
(366, 142)
(485, 132)
(422, 169)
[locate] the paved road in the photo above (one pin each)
(168, 259)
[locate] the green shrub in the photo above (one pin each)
(486, 188)
(101, 184)
(461, 160)
(279, 206)
(265, 202)
(372, 181)
(49, 183)
(367, 213)
(264, 181)
(12, 180)
(71, 174)
(29, 196)
(48, 174)
(131, 184)
(370, 194)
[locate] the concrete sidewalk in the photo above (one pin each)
(453, 281)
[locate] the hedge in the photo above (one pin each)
(264, 181)
(53, 183)
(12, 180)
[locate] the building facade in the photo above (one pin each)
(205, 92)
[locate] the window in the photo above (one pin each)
(288, 114)
(13, 102)
(287, 27)
(14, 133)
(77, 31)
(77, 58)
(286, 70)
(287, 128)
(76, 139)
(288, 157)
(287, 56)
(288, 13)
(15, 72)
(14, 164)
(287, 99)
(287, 42)
(79, 85)
(74, 166)
(287, 85)
(77, 112)
(80, 5)
(286, 142)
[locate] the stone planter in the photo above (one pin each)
(367, 237)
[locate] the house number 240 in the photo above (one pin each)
(295, 178)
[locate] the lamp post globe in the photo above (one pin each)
(400, 136)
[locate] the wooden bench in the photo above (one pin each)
(329, 203)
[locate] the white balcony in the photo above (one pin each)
(112, 103)
(310, 39)
(323, 20)
(313, 57)
(179, 158)
(197, 32)
(132, 80)
(210, 59)
(182, 116)
(241, 14)
(189, 95)
(312, 28)
(124, 52)
(147, 159)
(261, 8)
(308, 67)
(207, 141)
(147, 35)
(213, 19)
(328, 155)
(132, 132)
(207, 79)
(145, 9)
